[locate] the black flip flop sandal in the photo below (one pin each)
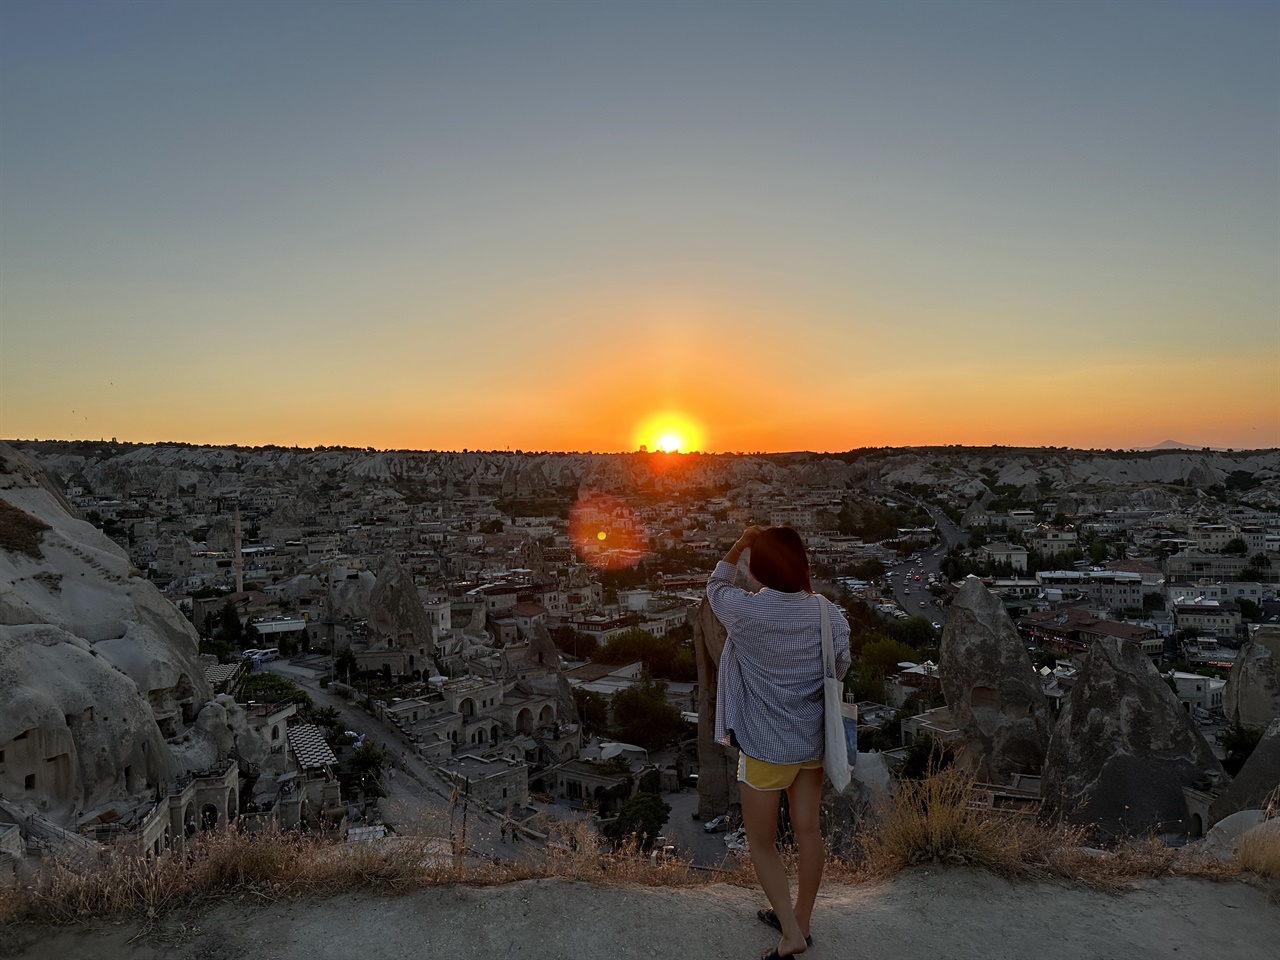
(767, 915)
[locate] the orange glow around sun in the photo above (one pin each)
(669, 432)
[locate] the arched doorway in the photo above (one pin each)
(524, 720)
(208, 817)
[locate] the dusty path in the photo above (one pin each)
(920, 915)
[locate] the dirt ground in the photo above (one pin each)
(950, 914)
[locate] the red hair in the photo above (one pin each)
(778, 560)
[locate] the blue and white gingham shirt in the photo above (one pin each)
(770, 692)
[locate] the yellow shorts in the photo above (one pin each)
(770, 776)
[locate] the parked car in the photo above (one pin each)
(736, 842)
(718, 824)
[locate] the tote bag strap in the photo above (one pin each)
(828, 646)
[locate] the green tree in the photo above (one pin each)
(880, 657)
(593, 709)
(871, 569)
(915, 631)
(573, 642)
(865, 684)
(228, 627)
(366, 764)
(1249, 610)
(641, 817)
(660, 656)
(345, 666)
(273, 688)
(326, 717)
(1238, 743)
(642, 715)
(1236, 547)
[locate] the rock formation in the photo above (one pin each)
(717, 764)
(100, 675)
(1257, 780)
(398, 617)
(1252, 694)
(992, 688)
(544, 652)
(1124, 747)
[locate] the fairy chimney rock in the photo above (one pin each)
(1124, 747)
(992, 688)
(1257, 781)
(1252, 694)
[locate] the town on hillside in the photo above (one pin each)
(348, 640)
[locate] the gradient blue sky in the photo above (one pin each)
(544, 225)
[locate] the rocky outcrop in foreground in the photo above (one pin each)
(1257, 780)
(992, 688)
(1252, 695)
(102, 688)
(717, 783)
(1124, 747)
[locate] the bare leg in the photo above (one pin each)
(804, 796)
(760, 818)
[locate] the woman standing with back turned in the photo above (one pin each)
(770, 707)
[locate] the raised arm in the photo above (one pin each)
(744, 543)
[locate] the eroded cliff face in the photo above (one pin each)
(1124, 747)
(97, 669)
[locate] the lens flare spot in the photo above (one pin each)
(605, 531)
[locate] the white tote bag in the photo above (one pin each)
(835, 756)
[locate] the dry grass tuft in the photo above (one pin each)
(1259, 850)
(269, 863)
(927, 821)
(277, 865)
(934, 821)
(20, 532)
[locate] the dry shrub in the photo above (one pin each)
(934, 820)
(574, 851)
(275, 864)
(931, 820)
(1259, 850)
(271, 863)
(1260, 853)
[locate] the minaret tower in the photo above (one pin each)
(239, 554)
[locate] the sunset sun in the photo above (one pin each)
(668, 433)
